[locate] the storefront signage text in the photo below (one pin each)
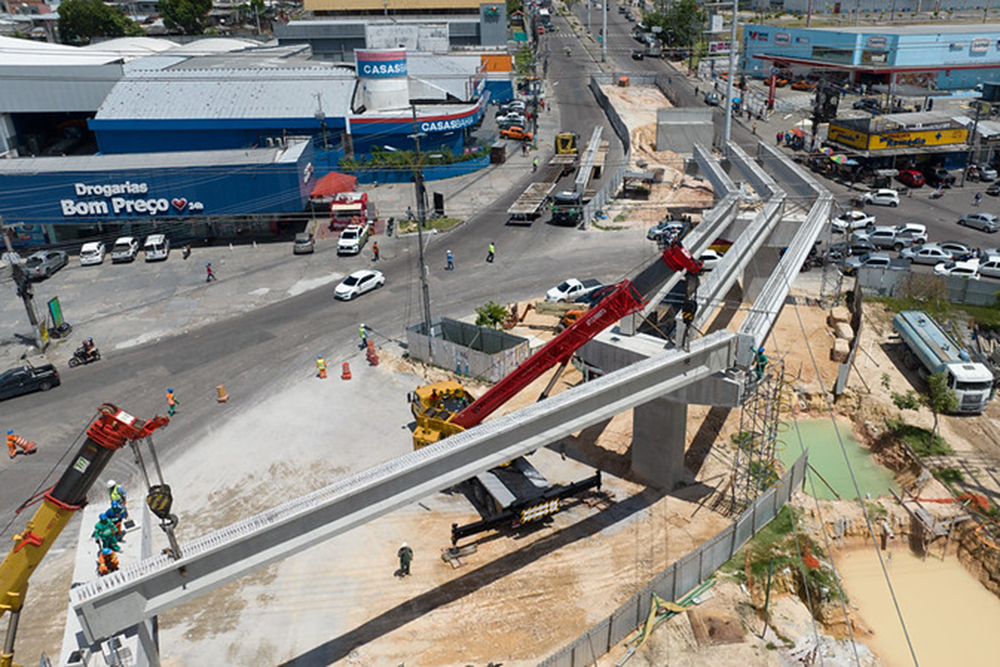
(449, 124)
(113, 201)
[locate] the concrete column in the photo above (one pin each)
(759, 271)
(658, 436)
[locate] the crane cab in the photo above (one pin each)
(434, 406)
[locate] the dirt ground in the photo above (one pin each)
(637, 106)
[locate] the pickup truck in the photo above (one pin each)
(25, 379)
(353, 239)
(571, 289)
(892, 238)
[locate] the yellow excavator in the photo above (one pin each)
(567, 143)
(109, 432)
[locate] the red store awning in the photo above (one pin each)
(332, 184)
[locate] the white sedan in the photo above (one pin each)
(967, 269)
(851, 221)
(358, 283)
(709, 259)
(881, 197)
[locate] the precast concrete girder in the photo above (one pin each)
(713, 172)
(752, 172)
(124, 598)
(587, 163)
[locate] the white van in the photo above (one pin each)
(156, 247)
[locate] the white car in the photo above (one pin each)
(709, 259)
(92, 253)
(358, 283)
(990, 267)
(928, 253)
(881, 197)
(124, 250)
(986, 172)
(851, 221)
(967, 269)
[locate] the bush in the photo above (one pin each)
(918, 438)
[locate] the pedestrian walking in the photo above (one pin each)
(534, 165)
(978, 198)
(696, 90)
(524, 148)
(778, 137)
(405, 555)
(375, 251)
(363, 332)
(754, 127)
(490, 253)
(321, 367)
(209, 273)
(450, 266)
(409, 213)
(172, 402)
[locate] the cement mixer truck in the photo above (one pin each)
(928, 349)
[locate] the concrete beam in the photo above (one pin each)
(752, 172)
(713, 172)
(587, 163)
(133, 594)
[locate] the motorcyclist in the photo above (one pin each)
(88, 348)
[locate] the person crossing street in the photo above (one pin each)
(405, 555)
(375, 251)
(209, 273)
(450, 259)
(491, 253)
(172, 402)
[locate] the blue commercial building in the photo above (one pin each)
(907, 58)
(65, 198)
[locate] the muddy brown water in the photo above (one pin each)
(950, 617)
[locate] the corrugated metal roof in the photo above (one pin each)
(24, 52)
(125, 161)
(450, 73)
(229, 93)
(131, 47)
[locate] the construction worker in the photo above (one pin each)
(107, 561)
(761, 363)
(490, 254)
(363, 332)
(321, 367)
(15, 441)
(450, 259)
(534, 165)
(172, 402)
(117, 514)
(405, 555)
(375, 251)
(105, 533)
(116, 493)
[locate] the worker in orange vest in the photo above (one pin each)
(14, 441)
(107, 561)
(172, 402)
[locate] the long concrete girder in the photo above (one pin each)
(587, 163)
(122, 599)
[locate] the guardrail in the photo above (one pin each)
(681, 576)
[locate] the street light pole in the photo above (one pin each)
(604, 31)
(727, 133)
(418, 183)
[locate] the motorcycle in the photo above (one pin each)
(186, 252)
(937, 194)
(80, 356)
(812, 261)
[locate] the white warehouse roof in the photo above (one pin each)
(230, 93)
(23, 52)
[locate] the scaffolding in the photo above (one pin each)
(755, 466)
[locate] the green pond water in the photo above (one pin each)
(827, 457)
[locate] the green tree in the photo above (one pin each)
(188, 16)
(491, 314)
(82, 20)
(911, 400)
(940, 399)
(681, 23)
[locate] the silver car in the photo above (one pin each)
(929, 253)
(984, 222)
(43, 264)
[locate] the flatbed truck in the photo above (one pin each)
(528, 206)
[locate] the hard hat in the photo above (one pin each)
(115, 505)
(106, 551)
(761, 349)
(319, 356)
(208, 265)
(403, 545)
(10, 431)
(363, 325)
(112, 483)
(104, 516)
(170, 391)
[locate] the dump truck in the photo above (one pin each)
(929, 349)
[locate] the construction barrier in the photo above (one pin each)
(345, 371)
(222, 396)
(681, 576)
(371, 354)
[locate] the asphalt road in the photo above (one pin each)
(258, 353)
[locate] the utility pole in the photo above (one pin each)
(589, 2)
(972, 144)
(727, 133)
(24, 289)
(418, 183)
(604, 31)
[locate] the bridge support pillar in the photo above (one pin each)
(759, 271)
(659, 430)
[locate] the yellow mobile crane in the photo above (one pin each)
(566, 143)
(109, 432)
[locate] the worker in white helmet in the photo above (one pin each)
(116, 492)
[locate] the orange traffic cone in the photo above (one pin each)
(27, 447)
(371, 354)
(346, 371)
(222, 395)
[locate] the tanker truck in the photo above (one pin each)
(928, 349)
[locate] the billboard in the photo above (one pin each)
(718, 48)
(381, 64)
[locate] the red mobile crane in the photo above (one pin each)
(445, 408)
(110, 431)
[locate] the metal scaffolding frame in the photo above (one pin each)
(755, 466)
